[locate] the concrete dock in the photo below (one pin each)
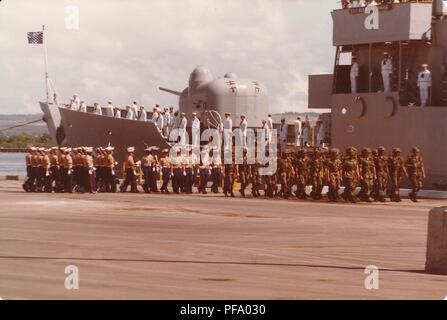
(138, 246)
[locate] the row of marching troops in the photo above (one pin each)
(70, 169)
(378, 174)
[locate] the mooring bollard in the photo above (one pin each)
(436, 262)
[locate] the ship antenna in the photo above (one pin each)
(46, 64)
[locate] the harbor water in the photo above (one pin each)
(12, 164)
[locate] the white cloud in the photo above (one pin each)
(125, 50)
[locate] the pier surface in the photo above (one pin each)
(138, 246)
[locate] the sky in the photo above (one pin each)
(125, 50)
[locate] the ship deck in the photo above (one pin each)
(209, 247)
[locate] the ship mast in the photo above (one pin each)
(46, 64)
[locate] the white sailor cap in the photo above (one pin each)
(89, 149)
(142, 106)
(96, 102)
(183, 114)
(194, 113)
(148, 149)
(227, 113)
(62, 148)
(155, 148)
(33, 149)
(243, 115)
(424, 65)
(131, 149)
(110, 148)
(165, 150)
(67, 150)
(42, 149)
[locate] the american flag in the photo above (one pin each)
(35, 37)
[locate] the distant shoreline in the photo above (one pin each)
(13, 150)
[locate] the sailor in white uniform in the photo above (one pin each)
(142, 114)
(182, 128)
(387, 70)
(83, 106)
(283, 135)
(354, 75)
(244, 130)
(297, 128)
(72, 105)
(77, 102)
(129, 113)
(117, 112)
(195, 130)
(109, 109)
(270, 128)
(96, 108)
(135, 109)
(424, 84)
(154, 114)
(167, 122)
(228, 131)
(159, 121)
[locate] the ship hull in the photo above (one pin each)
(87, 129)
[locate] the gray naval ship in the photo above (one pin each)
(210, 98)
(413, 33)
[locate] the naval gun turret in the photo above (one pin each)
(208, 96)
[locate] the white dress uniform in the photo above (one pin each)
(182, 130)
(109, 110)
(142, 116)
(97, 110)
(118, 113)
(228, 131)
(298, 128)
(159, 121)
(134, 109)
(77, 102)
(73, 106)
(129, 114)
(424, 82)
(354, 75)
(270, 129)
(244, 131)
(154, 116)
(387, 70)
(283, 135)
(167, 123)
(195, 131)
(83, 107)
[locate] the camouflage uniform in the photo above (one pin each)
(243, 171)
(316, 169)
(230, 171)
(396, 168)
(285, 171)
(381, 181)
(255, 179)
(416, 172)
(301, 174)
(367, 175)
(350, 174)
(333, 167)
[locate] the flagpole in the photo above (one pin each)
(46, 63)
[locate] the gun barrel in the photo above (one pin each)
(170, 91)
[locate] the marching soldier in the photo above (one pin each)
(147, 166)
(350, 174)
(396, 167)
(316, 171)
(285, 170)
(178, 178)
(381, 166)
(367, 175)
(301, 174)
(130, 167)
(416, 172)
(54, 170)
(255, 179)
(89, 170)
(333, 174)
(109, 170)
(68, 171)
(28, 184)
(230, 173)
(216, 174)
(166, 170)
(242, 170)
